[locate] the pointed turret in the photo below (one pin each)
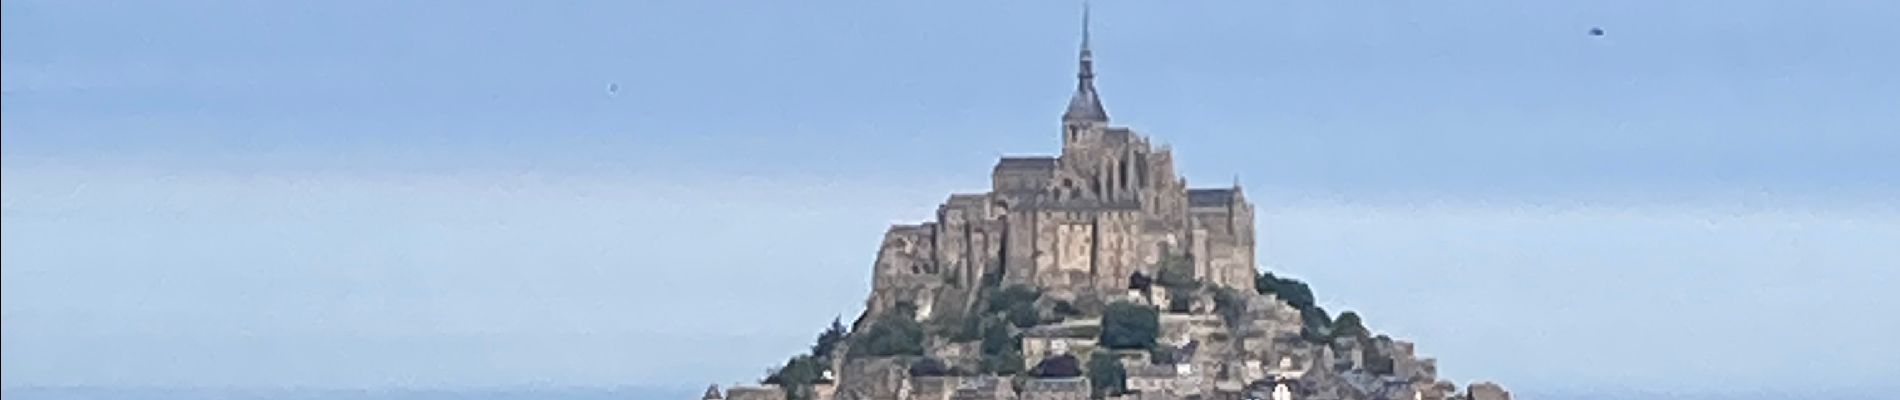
(1085, 105)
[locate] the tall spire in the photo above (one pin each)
(1087, 57)
(1085, 104)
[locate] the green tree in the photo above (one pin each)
(992, 276)
(997, 338)
(1316, 317)
(1129, 326)
(1066, 309)
(1008, 362)
(1008, 298)
(1317, 324)
(828, 340)
(1162, 354)
(893, 334)
(968, 327)
(1349, 325)
(928, 366)
(799, 370)
(1106, 376)
(1230, 305)
(1292, 291)
(1180, 301)
(1024, 315)
(1090, 305)
(1176, 273)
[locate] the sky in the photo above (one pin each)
(368, 194)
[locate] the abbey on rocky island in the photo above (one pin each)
(1081, 223)
(1096, 273)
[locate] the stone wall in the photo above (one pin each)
(1036, 348)
(955, 235)
(1121, 248)
(824, 391)
(1083, 221)
(1056, 389)
(1487, 391)
(764, 392)
(1224, 238)
(905, 270)
(934, 387)
(1021, 247)
(907, 251)
(984, 388)
(1075, 225)
(877, 378)
(1269, 318)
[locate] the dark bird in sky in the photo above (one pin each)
(613, 89)
(1596, 31)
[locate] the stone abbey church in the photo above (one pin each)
(1079, 223)
(1095, 273)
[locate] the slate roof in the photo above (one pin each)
(1140, 281)
(1085, 105)
(1026, 163)
(1062, 366)
(1210, 197)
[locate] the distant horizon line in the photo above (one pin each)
(691, 389)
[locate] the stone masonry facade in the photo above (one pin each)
(1078, 223)
(1083, 228)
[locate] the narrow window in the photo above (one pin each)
(1123, 175)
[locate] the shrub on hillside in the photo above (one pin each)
(1180, 301)
(800, 370)
(1008, 362)
(828, 340)
(1129, 326)
(1176, 273)
(895, 333)
(1106, 376)
(1292, 291)
(1349, 325)
(1001, 301)
(929, 367)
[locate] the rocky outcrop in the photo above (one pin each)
(872, 378)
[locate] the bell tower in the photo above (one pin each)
(1085, 116)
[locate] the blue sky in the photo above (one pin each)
(445, 194)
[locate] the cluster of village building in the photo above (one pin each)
(1263, 358)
